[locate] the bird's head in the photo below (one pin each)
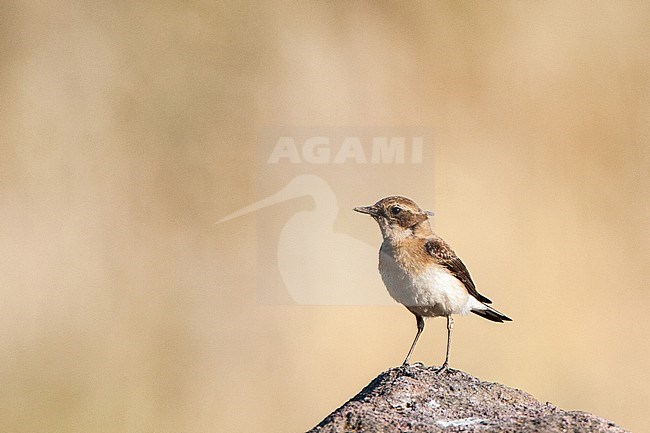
(398, 217)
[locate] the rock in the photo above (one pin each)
(416, 398)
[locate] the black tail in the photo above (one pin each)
(492, 314)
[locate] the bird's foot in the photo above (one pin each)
(415, 364)
(444, 367)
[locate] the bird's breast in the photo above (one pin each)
(419, 283)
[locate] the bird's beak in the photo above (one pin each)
(428, 212)
(370, 210)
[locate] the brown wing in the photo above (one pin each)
(442, 252)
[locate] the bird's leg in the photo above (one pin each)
(450, 327)
(420, 322)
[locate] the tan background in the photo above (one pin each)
(128, 129)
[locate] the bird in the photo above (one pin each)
(421, 271)
(317, 265)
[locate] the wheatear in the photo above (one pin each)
(421, 271)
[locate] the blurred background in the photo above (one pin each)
(127, 130)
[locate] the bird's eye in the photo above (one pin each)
(395, 210)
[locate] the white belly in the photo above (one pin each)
(432, 292)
